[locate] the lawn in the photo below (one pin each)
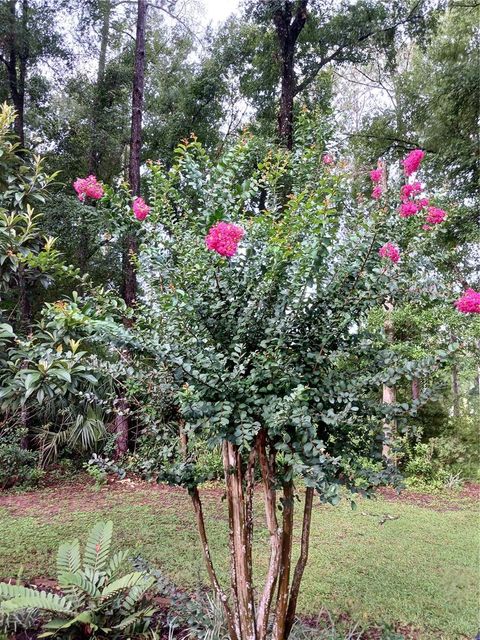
(402, 562)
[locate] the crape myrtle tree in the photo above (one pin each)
(261, 315)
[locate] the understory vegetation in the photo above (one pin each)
(239, 298)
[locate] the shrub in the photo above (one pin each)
(18, 466)
(94, 600)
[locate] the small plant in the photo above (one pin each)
(95, 602)
(96, 473)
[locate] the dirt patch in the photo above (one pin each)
(466, 498)
(81, 496)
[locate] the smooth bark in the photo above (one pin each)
(389, 394)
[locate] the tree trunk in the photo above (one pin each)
(302, 561)
(286, 540)
(288, 28)
(129, 288)
(130, 245)
(95, 146)
(389, 393)
(240, 542)
(415, 389)
(16, 64)
(455, 391)
(137, 99)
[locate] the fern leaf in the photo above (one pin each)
(38, 600)
(68, 557)
(98, 544)
(115, 563)
(135, 594)
(8, 591)
(122, 584)
(80, 581)
(136, 617)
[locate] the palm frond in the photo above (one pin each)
(8, 591)
(38, 600)
(122, 584)
(135, 618)
(136, 593)
(68, 557)
(79, 580)
(98, 544)
(115, 563)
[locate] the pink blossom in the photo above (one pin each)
(423, 202)
(389, 251)
(410, 190)
(469, 302)
(224, 237)
(408, 209)
(426, 227)
(140, 208)
(412, 161)
(327, 158)
(377, 192)
(435, 215)
(88, 187)
(376, 174)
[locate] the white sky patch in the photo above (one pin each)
(217, 11)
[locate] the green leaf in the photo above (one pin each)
(122, 584)
(79, 580)
(38, 600)
(63, 374)
(98, 544)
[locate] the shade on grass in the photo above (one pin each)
(419, 567)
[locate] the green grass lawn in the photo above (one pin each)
(420, 568)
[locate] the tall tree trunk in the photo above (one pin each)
(16, 64)
(95, 143)
(130, 244)
(288, 27)
(137, 99)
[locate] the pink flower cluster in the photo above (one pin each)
(140, 208)
(389, 251)
(435, 215)
(410, 190)
(411, 204)
(88, 188)
(223, 238)
(408, 209)
(375, 176)
(327, 158)
(469, 302)
(412, 162)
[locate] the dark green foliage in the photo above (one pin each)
(18, 465)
